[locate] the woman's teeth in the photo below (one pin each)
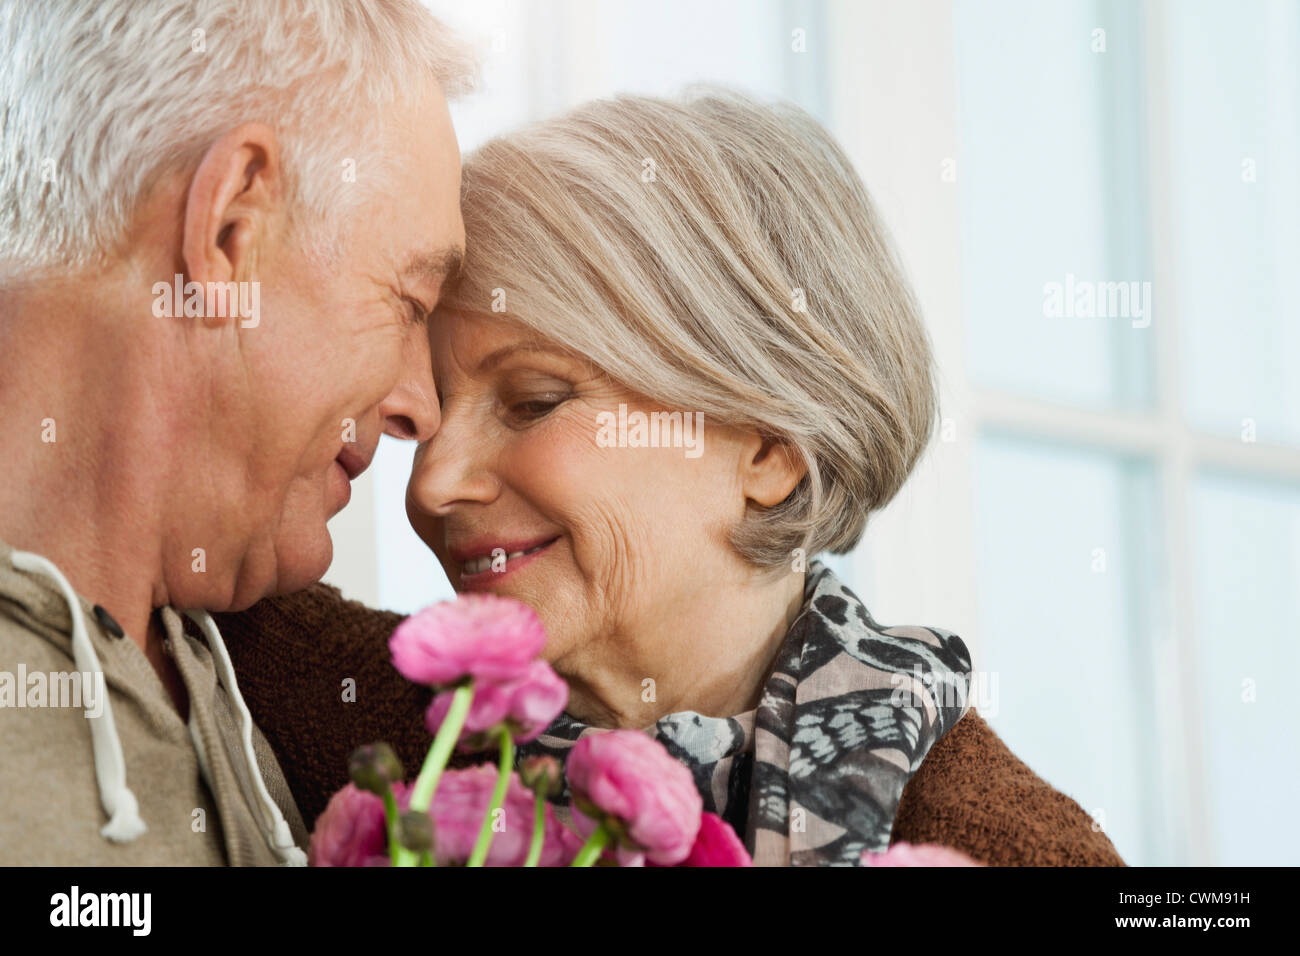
(479, 565)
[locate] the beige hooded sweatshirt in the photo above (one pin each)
(97, 767)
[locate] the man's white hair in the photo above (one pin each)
(100, 98)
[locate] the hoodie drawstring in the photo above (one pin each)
(119, 802)
(124, 823)
(279, 839)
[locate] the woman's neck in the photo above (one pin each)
(710, 655)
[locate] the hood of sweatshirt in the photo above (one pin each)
(37, 602)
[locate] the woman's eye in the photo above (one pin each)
(534, 408)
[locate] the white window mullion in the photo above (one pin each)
(1256, 459)
(1140, 433)
(1174, 667)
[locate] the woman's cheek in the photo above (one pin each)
(557, 459)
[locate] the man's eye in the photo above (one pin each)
(418, 313)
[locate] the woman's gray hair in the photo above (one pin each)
(720, 255)
(98, 98)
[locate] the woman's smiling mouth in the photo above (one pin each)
(480, 568)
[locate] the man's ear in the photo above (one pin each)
(769, 470)
(234, 202)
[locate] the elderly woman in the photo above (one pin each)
(682, 360)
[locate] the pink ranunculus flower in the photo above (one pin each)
(351, 831)
(628, 776)
(483, 636)
(716, 845)
(918, 854)
(527, 706)
(460, 804)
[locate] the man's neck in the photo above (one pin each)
(75, 490)
(155, 650)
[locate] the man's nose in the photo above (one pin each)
(410, 411)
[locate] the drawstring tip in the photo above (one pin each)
(285, 847)
(123, 828)
(125, 824)
(295, 857)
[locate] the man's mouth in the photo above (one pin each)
(352, 461)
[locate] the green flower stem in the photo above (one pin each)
(390, 819)
(427, 782)
(485, 832)
(539, 829)
(591, 850)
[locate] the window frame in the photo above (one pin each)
(901, 44)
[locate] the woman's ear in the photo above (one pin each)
(769, 470)
(234, 202)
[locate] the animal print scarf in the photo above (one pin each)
(814, 775)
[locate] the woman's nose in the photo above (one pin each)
(452, 470)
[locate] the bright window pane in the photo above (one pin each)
(1234, 80)
(1061, 537)
(541, 58)
(1248, 631)
(1049, 169)
(410, 577)
(659, 48)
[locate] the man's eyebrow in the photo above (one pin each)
(439, 268)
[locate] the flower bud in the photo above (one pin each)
(542, 773)
(415, 831)
(374, 768)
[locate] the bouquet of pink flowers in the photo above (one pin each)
(633, 804)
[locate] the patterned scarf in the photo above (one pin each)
(850, 709)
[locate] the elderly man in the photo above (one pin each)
(222, 227)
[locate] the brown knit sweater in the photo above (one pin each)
(315, 671)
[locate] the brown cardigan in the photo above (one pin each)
(294, 657)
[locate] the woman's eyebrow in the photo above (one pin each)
(496, 356)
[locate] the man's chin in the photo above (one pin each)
(300, 560)
(303, 566)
